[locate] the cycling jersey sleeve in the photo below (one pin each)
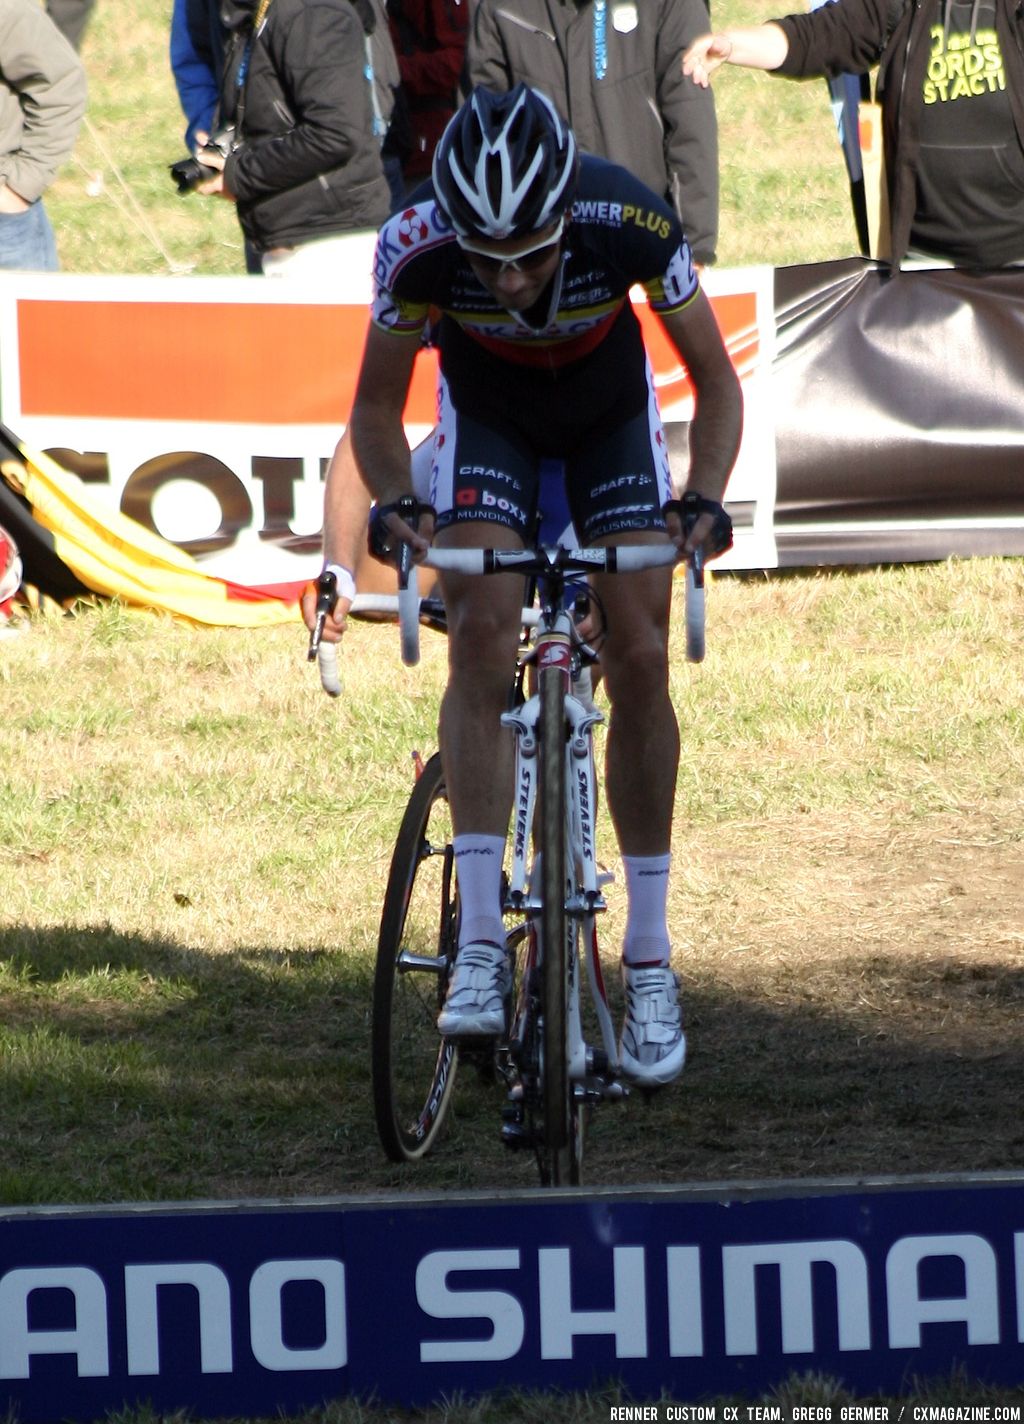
(677, 285)
(391, 313)
(403, 267)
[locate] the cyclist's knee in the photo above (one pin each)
(636, 668)
(482, 643)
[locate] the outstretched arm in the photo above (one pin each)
(752, 46)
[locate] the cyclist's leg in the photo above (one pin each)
(481, 486)
(628, 481)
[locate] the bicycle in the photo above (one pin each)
(553, 1076)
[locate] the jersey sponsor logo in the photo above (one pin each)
(627, 509)
(411, 227)
(620, 482)
(507, 506)
(488, 472)
(589, 210)
(489, 516)
(620, 526)
(402, 236)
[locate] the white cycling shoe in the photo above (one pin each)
(475, 1003)
(652, 1049)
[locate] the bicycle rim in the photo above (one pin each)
(557, 1137)
(412, 1067)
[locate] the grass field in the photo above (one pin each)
(193, 840)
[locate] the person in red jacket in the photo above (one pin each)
(430, 40)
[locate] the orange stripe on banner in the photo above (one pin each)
(250, 364)
(199, 361)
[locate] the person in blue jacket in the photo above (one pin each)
(197, 58)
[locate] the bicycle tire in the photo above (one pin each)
(412, 1068)
(557, 1145)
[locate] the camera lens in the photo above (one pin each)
(187, 172)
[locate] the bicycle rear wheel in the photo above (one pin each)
(412, 1067)
(561, 1137)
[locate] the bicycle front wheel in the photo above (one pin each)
(412, 1067)
(560, 1146)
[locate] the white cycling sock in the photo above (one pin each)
(478, 866)
(646, 939)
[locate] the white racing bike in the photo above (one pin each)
(554, 1070)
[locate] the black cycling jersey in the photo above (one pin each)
(620, 235)
(570, 378)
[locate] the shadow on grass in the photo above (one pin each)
(139, 1069)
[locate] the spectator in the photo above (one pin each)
(42, 100)
(197, 59)
(306, 164)
(71, 18)
(613, 71)
(951, 85)
(430, 41)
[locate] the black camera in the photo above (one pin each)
(187, 172)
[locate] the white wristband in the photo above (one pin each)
(344, 581)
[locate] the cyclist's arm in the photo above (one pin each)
(371, 458)
(346, 510)
(718, 418)
(379, 442)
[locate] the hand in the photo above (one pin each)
(214, 185)
(709, 526)
(336, 621)
(389, 531)
(704, 56)
(686, 543)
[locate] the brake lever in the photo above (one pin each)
(326, 598)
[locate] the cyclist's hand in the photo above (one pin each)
(334, 623)
(406, 521)
(695, 522)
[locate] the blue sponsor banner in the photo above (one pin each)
(257, 1309)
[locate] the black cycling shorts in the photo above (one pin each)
(491, 472)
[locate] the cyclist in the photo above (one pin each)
(528, 250)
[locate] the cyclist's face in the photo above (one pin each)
(516, 270)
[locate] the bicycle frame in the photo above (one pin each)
(553, 647)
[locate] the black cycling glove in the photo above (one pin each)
(381, 541)
(690, 508)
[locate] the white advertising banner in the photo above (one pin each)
(207, 408)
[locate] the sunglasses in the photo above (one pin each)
(531, 259)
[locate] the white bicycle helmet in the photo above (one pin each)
(506, 165)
